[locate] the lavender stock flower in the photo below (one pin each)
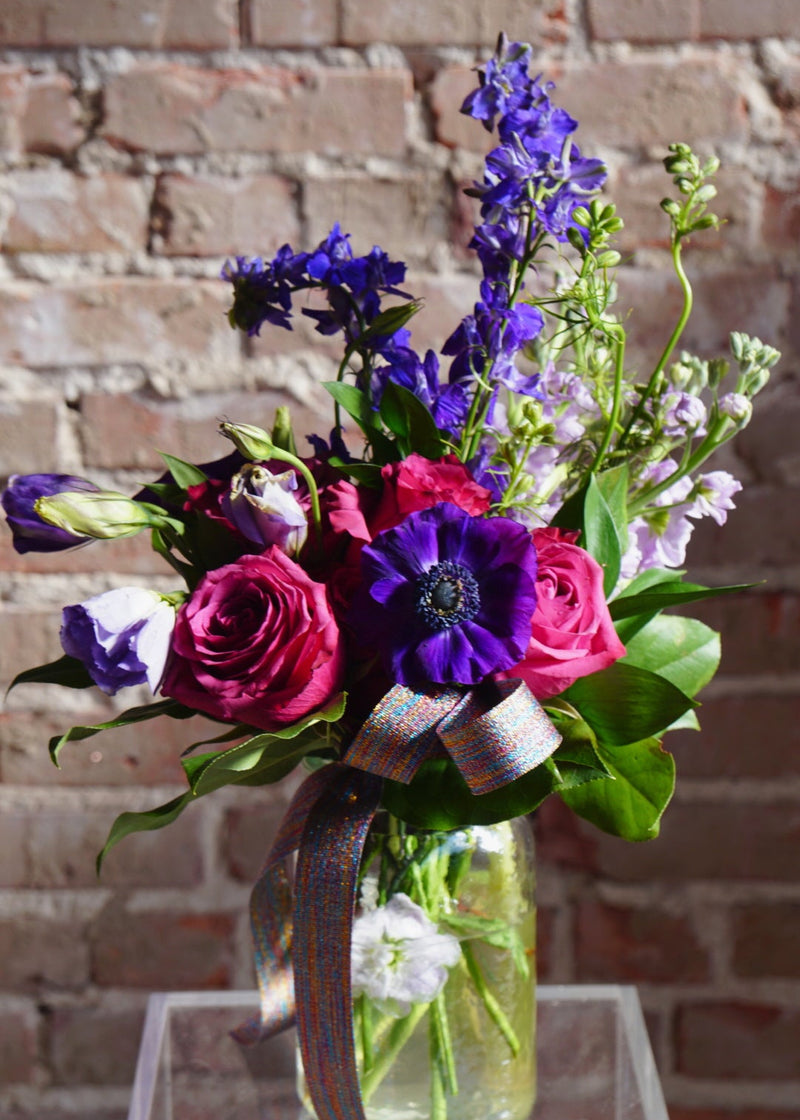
(449, 597)
(121, 636)
(30, 532)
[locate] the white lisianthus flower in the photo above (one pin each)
(399, 957)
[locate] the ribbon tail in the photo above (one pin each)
(326, 882)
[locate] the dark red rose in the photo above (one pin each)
(418, 483)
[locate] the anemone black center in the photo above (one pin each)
(447, 594)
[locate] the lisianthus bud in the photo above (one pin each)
(254, 443)
(263, 506)
(101, 515)
(31, 532)
(122, 637)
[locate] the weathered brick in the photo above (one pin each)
(446, 300)
(456, 22)
(18, 1047)
(741, 737)
(738, 1040)
(93, 1045)
(721, 19)
(626, 944)
(756, 534)
(42, 952)
(768, 444)
(780, 227)
(126, 431)
(197, 24)
(407, 216)
(13, 853)
(30, 637)
(765, 939)
(13, 90)
(759, 631)
(161, 950)
(114, 320)
(52, 120)
(306, 23)
(661, 21)
(54, 211)
(214, 215)
(28, 436)
(137, 755)
(63, 845)
(130, 554)
(166, 109)
(545, 933)
(448, 89)
(247, 834)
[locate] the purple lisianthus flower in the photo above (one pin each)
(121, 636)
(264, 507)
(448, 597)
(31, 533)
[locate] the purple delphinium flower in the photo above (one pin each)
(31, 534)
(121, 636)
(448, 404)
(448, 597)
(503, 83)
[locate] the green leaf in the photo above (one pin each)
(355, 403)
(127, 823)
(185, 474)
(667, 594)
(132, 715)
(631, 805)
(66, 671)
(625, 704)
(613, 485)
(681, 650)
(577, 757)
(411, 422)
(368, 474)
(437, 797)
(600, 537)
(391, 320)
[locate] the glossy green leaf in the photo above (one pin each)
(406, 416)
(354, 402)
(682, 650)
(613, 485)
(66, 671)
(600, 536)
(625, 704)
(632, 804)
(668, 594)
(367, 474)
(124, 719)
(391, 320)
(185, 474)
(128, 823)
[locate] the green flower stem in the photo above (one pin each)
(367, 1039)
(616, 404)
(688, 300)
(440, 1027)
(399, 1035)
(438, 1092)
(493, 1008)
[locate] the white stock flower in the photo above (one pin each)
(398, 956)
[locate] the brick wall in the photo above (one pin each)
(143, 140)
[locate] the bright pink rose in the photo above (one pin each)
(572, 634)
(418, 483)
(256, 643)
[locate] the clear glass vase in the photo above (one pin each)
(444, 973)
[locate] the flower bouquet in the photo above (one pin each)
(447, 610)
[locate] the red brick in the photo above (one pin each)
(448, 90)
(130, 554)
(768, 444)
(446, 300)
(633, 945)
(306, 23)
(126, 431)
(215, 215)
(765, 939)
(781, 222)
(63, 846)
(545, 933)
(114, 320)
(194, 24)
(53, 211)
(721, 19)
(451, 22)
(757, 534)
(733, 743)
(93, 1045)
(161, 950)
(13, 88)
(662, 21)
(738, 1040)
(13, 852)
(407, 216)
(127, 756)
(40, 952)
(30, 637)
(28, 437)
(760, 632)
(52, 121)
(18, 1047)
(165, 109)
(247, 834)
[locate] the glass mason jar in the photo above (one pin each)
(444, 973)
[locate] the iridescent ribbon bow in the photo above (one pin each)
(326, 823)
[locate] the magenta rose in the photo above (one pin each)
(256, 643)
(572, 634)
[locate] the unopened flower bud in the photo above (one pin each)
(737, 406)
(263, 506)
(103, 515)
(254, 443)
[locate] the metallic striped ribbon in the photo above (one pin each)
(493, 735)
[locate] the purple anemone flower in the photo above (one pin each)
(31, 533)
(449, 597)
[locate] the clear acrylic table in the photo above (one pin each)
(595, 1061)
